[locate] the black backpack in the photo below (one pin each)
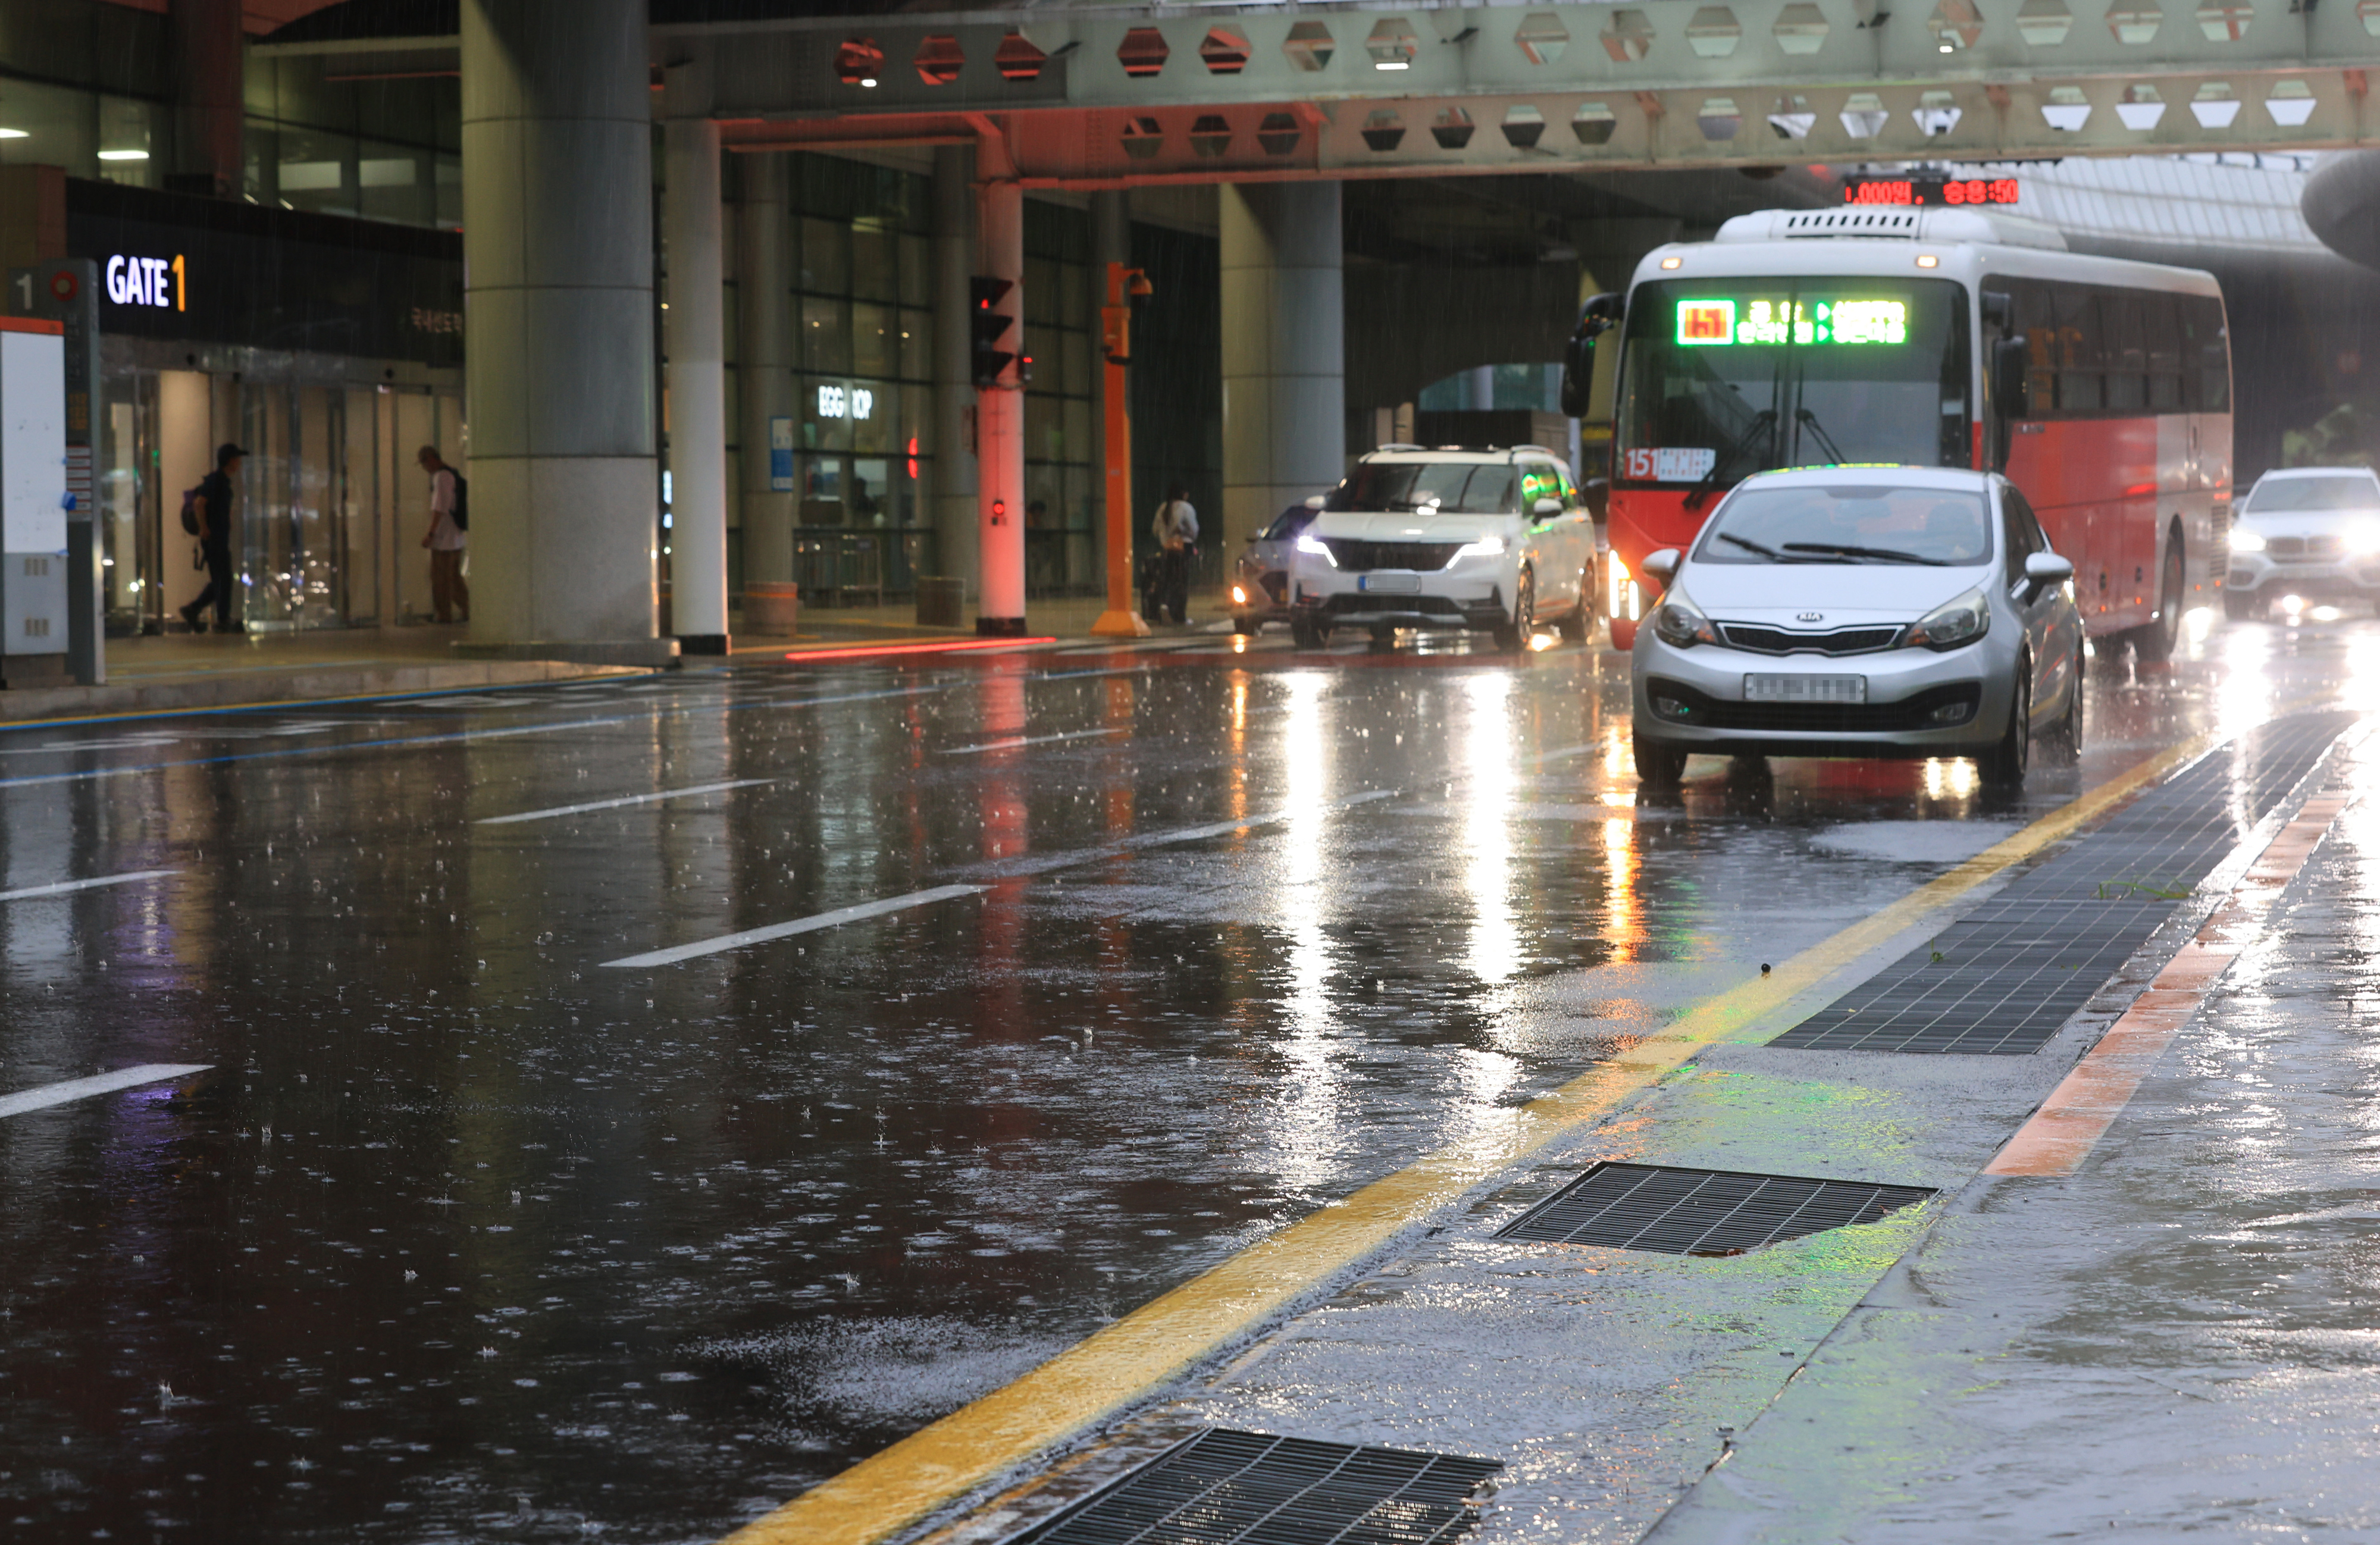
(462, 510)
(190, 508)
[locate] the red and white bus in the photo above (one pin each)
(1935, 337)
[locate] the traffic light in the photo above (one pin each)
(989, 328)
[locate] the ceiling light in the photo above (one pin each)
(124, 155)
(14, 134)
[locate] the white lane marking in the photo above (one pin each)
(1023, 867)
(63, 886)
(799, 925)
(91, 773)
(1027, 740)
(104, 1083)
(615, 804)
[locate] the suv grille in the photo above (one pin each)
(2297, 548)
(1778, 640)
(1357, 556)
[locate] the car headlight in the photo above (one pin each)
(2360, 541)
(1952, 624)
(1486, 547)
(2246, 541)
(1679, 624)
(1318, 548)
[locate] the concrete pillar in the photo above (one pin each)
(558, 324)
(210, 54)
(953, 495)
(694, 336)
(1110, 242)
(1285, 352)
(1000, 422)
(764, 355)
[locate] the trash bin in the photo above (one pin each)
(941, 602)
(772, 607)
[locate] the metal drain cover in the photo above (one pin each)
(1704, 1212)
(1227, 1488)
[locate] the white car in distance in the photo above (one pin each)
(1481, 540)
(2305, 534)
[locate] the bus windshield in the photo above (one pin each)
(1723, 378)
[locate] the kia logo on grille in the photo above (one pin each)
(1810, 616)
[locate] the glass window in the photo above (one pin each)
(875, 260)
(916, 346)
(825, 406)
(875, 411)
(2081, 350)
(1724, 378)
(1861, 523)
(916, 272)
(2271, 495)
(392, 183)
(825, 256)
(2020, 533)
(875, 348)
(2208, 356)
(2128, 360)
(826, 338)
(1041, 298)
(2162, 326)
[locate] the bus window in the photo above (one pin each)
(2206, 358)
(2162, 323)
(2127, 358)
(1723, 378)
(2036, 318)
(2079, 350)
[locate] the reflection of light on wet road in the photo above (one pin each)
(1308, 1128)
(1486, 747)
(1626, 929)
(1950, 778)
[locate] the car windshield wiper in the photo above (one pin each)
(1710, 479)
(1883, 555)
(1749, 545)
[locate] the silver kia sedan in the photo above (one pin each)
(1862, 612)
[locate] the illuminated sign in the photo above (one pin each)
(1714, 323)
(845, 402)
(148, 282)
(1930, 190)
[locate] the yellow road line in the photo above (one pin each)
(981, 1442)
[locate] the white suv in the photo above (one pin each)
(2308, 531)
(1488, 541)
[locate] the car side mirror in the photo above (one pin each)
(1546, 509)
(2043, 570)
(1662, 565)
(1316, 501)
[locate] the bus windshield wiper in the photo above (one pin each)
(1809, 421)
(1709, 484)
(1883, 555)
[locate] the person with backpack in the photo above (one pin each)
(206, 515)
(1176, 533)
(449, 517)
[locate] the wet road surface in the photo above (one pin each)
(476, 1229)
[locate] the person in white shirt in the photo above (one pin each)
(449, 595)
(1176, 531)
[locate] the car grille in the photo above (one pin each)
(1356, 555)
(1680, 704)
(1401, 605)
(2303, 548)
(1779, 640)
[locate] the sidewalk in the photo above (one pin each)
(180, 672)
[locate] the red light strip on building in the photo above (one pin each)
(949, 648)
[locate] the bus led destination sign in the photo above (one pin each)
(1930, 190)
(1724, 322)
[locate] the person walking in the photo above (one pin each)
(449, 594)
(213, 506)
(1176, 531)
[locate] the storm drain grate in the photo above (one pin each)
(1227, 1488)
(1701, 1212)
(2003, 980)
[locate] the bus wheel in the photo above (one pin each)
(2156, 641)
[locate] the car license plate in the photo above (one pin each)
(1758, 689)
(1401, 584)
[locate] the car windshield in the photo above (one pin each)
(1856, 523)
(2277, 494)
(1288, 524)
(1441, 487)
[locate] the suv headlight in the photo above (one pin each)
(2246, 541)
(1679, 624)
(1952, 624)
(1486, 547)
(1317, 547)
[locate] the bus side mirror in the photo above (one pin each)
(2009, 396)
(1598, 316)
